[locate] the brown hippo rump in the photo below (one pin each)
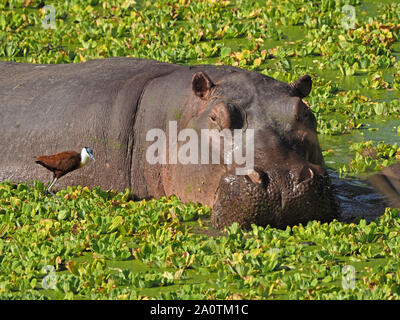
(162, 129)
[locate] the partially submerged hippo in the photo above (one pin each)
(111, 104)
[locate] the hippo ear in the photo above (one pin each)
(201, 85)
(302, 86)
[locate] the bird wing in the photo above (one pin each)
(63, 161)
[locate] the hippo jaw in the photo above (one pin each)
(273, 199)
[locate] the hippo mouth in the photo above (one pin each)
(264, 202)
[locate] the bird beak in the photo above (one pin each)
(91, 155)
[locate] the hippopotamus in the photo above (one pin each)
(112, 104)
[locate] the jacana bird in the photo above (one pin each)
(62, 163)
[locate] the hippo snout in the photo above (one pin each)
(275, 197)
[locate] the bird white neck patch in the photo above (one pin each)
(84, 158)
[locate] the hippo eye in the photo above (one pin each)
(226, 116)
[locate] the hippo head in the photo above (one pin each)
(287, 183)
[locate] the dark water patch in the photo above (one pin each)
(357, 199)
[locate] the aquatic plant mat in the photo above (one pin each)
(95, 244)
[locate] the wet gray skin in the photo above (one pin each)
(111, 104)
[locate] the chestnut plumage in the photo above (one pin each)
(62, 163)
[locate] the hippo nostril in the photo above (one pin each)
(258, 177)
(318, 170)
(254, 176)
(311, 173)
(306, 174)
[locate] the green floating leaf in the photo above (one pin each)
(225, 51)
(3, 229)
(62, 215)
(116, 222)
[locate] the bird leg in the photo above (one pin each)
(48, 190)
